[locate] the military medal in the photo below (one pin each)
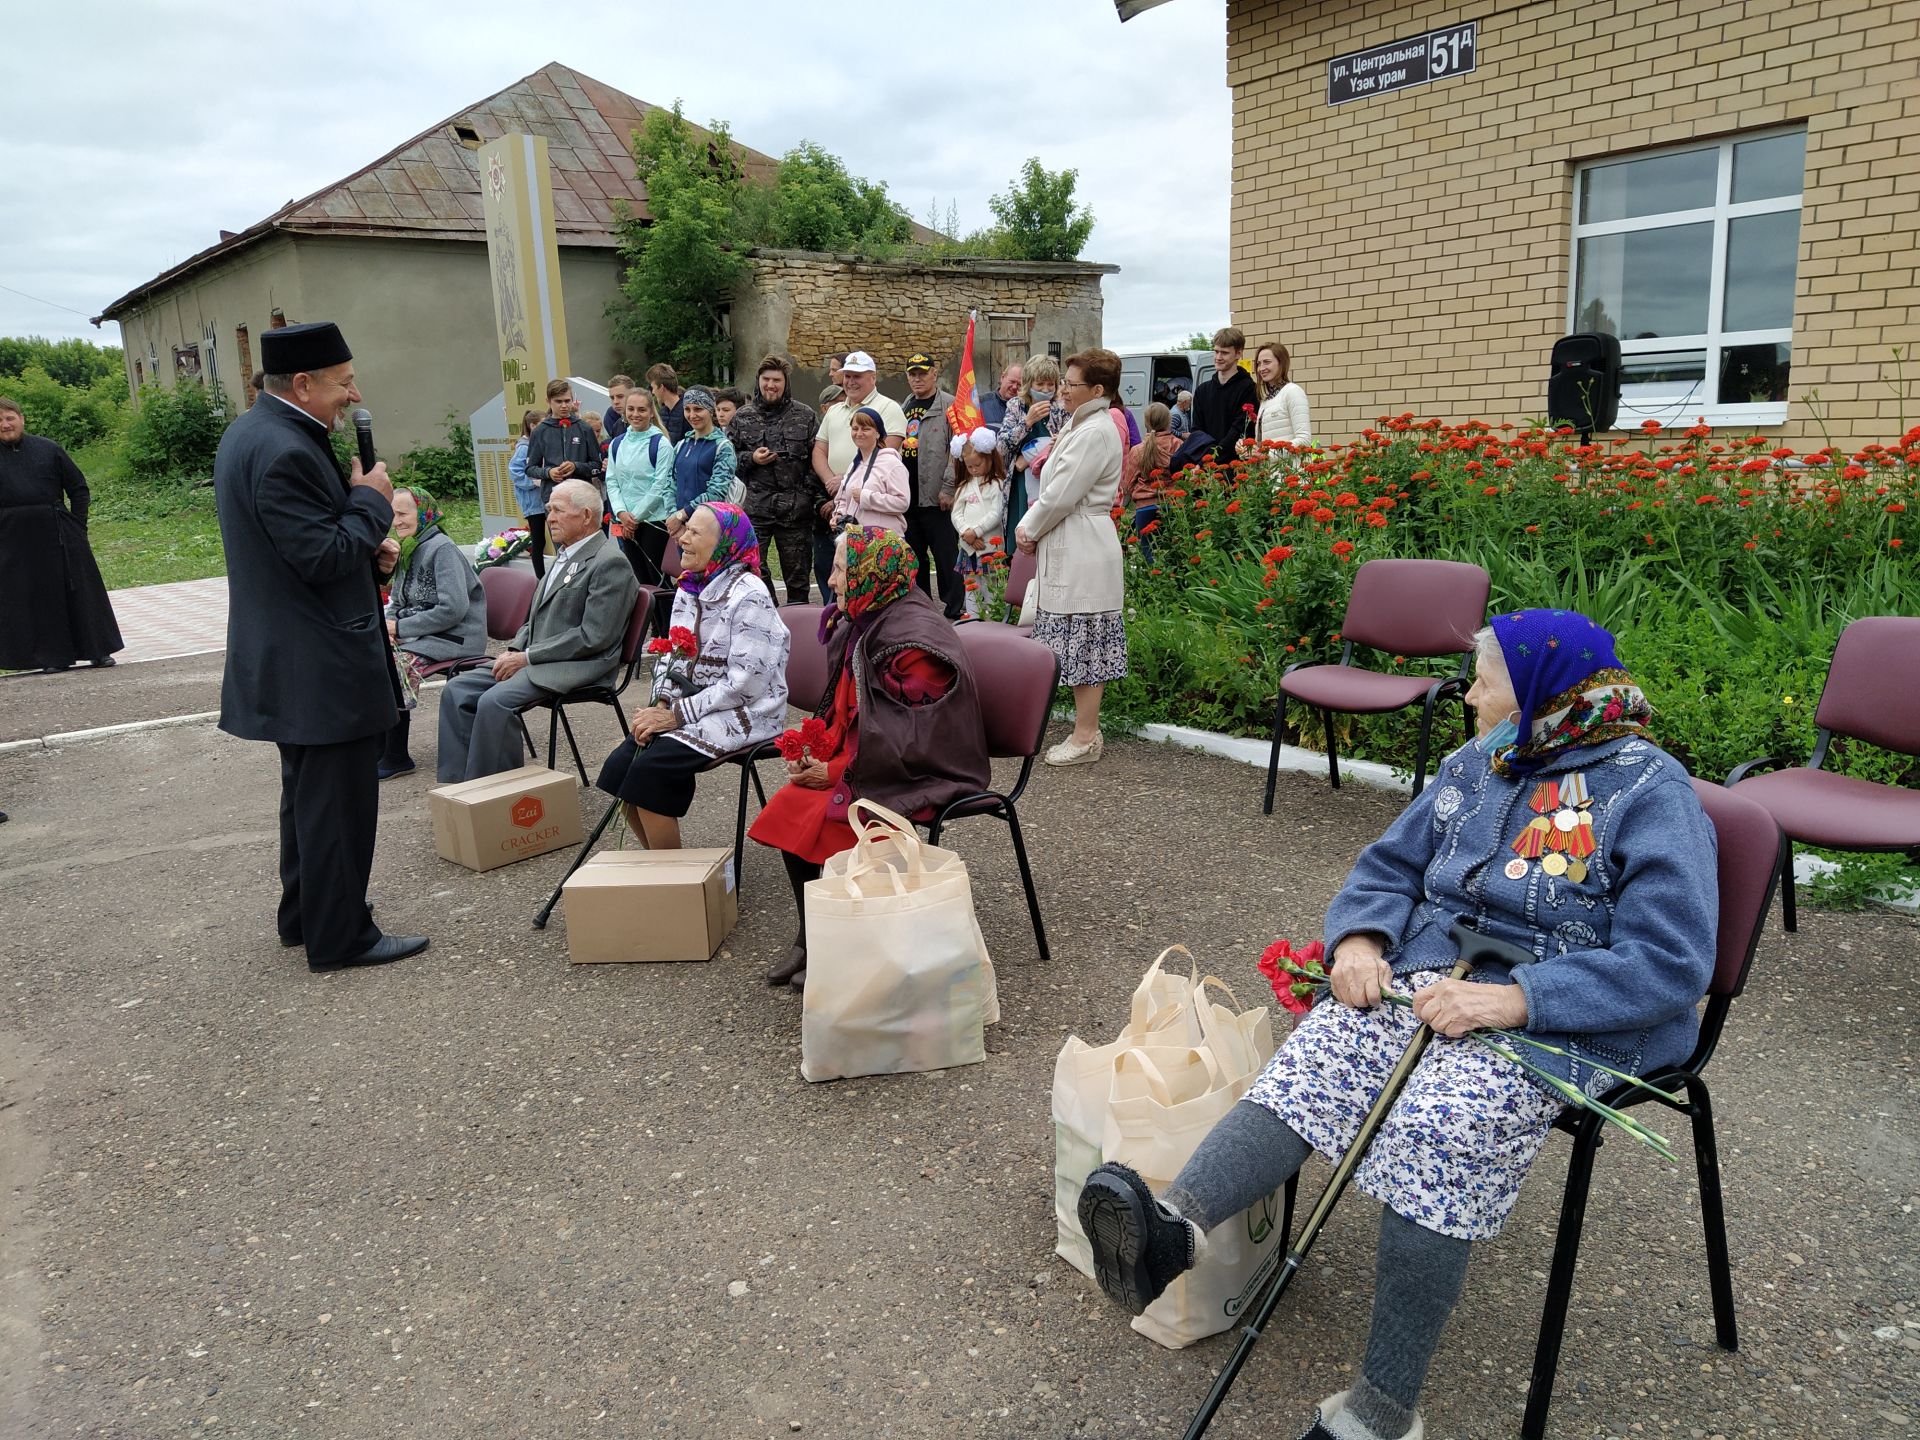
(1560, 835)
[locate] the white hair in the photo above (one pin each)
(579, 495)
(1486, 648)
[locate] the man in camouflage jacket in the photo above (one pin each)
(773, 437)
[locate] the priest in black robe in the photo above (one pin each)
(54, 609)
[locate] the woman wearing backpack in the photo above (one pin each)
(640, 487)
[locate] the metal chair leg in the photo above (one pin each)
(1713, 1214)
(1420, 749)
(527, 735)
(553, 734)
(1286, 1216)
(1566, 1250)
(1273, 752)
(740, 832)
(1788, 911)
(1333, 748)
(1026, 879)
(573, 745)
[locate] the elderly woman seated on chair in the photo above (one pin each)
(1562, 830)
(903, 726)
(730, 696)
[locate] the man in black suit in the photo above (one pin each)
(308, 662)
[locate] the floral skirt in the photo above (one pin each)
(1092, 648)
(1452, 1152)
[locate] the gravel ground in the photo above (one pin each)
(484, 1194)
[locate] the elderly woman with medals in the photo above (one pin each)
(1562, 830)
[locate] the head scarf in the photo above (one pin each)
(881, 567)
(429, 524)
(737, 545)
(703, 397)
(1571, 688)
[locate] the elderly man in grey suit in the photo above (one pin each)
(571, 640)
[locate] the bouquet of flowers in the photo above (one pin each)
(811, 741)
(673, 672)
(1297, 975)
(500, 548)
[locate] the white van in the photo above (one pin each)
(1150, 375)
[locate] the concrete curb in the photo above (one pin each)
(1292, 757)
(106, 732)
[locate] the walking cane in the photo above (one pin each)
(546, 910)
(1474, 947)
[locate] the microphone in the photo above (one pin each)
(363, 428)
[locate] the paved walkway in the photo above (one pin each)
(487, 1195)
(163, 622)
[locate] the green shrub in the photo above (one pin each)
(1725, 577)
(68, 415)
(443, 471)
(174, 433)
(73, 363)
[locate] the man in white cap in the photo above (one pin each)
(309, 666)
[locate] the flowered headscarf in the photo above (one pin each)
(429, 523)
(881, 567)
(1570, 685)
(737, 545)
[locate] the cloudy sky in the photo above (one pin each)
(128, 154)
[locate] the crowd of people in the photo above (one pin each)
(1616, 951)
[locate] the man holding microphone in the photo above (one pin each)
(309, 666)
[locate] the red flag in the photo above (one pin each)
(963, 416)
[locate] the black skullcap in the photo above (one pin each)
(316, 345)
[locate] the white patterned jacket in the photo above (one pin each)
(740, 666)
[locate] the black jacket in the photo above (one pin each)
(307, 656)
(551, 443)
(1221, 410)
(785, 491)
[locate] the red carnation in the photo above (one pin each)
(1294, 975)
(682, 641)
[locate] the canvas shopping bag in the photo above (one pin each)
(1082, 1079)
(898, 977)
(1147, 1100)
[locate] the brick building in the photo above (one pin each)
(1427, 194)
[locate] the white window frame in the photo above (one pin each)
(1686, 410)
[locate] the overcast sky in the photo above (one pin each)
(137, 131)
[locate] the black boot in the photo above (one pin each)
(1139, 1245)
(396, 760)
(791, 968)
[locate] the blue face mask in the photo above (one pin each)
(1040, 394)
(1498, 738)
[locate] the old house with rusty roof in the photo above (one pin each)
(396, 253)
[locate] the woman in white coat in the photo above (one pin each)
(1081, 586)
(1283, 404)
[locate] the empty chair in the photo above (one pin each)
(1868, 696)
(1416, 608)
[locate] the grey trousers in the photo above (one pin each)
(479, 728)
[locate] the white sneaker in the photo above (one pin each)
(1068, 752)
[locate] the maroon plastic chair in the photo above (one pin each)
(631, 657)
(509, 596)
(1016, 678)
(1417, 608)
(662, 594)
(1020, 572)
(1868, 696)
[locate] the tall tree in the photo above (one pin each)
(1038, 218)
(682, 268)
(818, 205)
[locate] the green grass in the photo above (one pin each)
(144, 534)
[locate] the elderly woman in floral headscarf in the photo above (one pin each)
(720, 684)
(1562, 830)
(436, 609)
(901, 718)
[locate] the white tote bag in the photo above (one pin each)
(898, 977)
(1147, 1100)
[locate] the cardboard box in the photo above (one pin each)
(650, 905)
(498, 819)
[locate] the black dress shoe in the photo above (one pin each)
(105, 662)
(292, 942)
(384, 951)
